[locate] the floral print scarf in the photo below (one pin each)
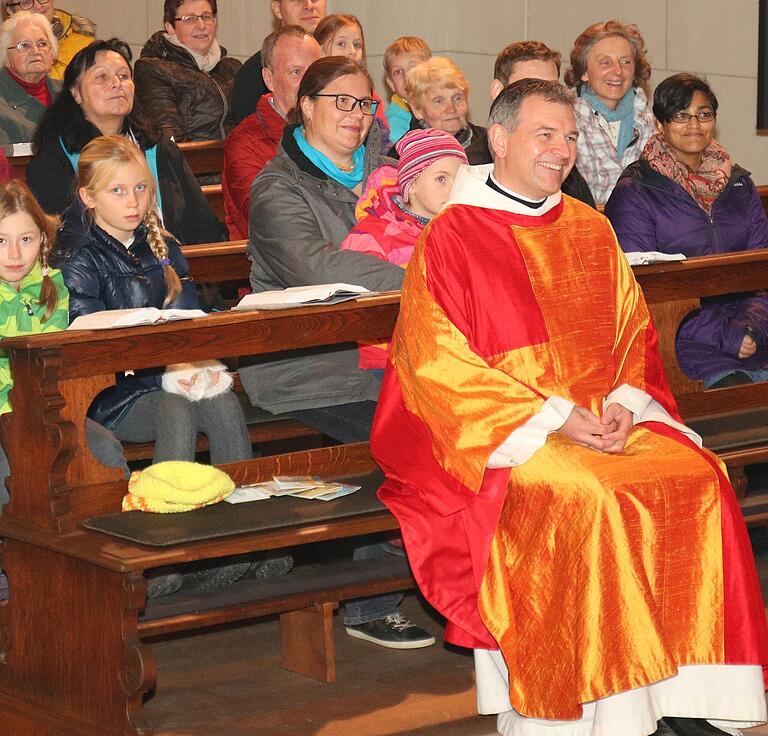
(705, 184)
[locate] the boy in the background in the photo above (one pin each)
(402, 54)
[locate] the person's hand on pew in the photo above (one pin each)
(748, 347)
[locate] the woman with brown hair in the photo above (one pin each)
(610, 72)
(302, 207)
(184, 78)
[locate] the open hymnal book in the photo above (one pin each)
(112, 318)
(299, 296)
(646, 257)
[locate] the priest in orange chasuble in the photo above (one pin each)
(554, 507)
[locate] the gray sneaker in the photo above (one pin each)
(394, 632)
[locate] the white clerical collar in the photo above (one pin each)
(470, 188)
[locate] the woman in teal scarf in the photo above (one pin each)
(610, 71)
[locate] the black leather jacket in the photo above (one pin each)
(189, 104)
(185, 209)
(101, 273)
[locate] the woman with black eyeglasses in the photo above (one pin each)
(184, 79)
(685, 195)
(27, 50)
(73, 32)
(302, 208)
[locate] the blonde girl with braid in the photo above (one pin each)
(34, 299)
(114, 254)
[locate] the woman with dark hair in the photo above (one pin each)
(610, 72)
(685, 195)
(98, 99)
(184, 79)
(302, 207)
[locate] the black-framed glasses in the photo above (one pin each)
(347, 103)
(703, 116)
(23, 46)
(26, 4)
(191, 19)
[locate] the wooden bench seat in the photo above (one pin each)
(226, 263)
(75, 590)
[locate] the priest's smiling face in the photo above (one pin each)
(534, 159)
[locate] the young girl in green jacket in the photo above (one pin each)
(33, 299)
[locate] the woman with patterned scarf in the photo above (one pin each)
(685, 195)
(610, 72)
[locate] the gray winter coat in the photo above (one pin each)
(20, 112)
(298, 218)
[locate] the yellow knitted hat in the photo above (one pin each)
(174, 486)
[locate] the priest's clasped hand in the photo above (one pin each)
(607, 433)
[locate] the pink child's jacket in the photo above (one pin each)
(385, 231)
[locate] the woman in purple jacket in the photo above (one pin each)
(685, 195)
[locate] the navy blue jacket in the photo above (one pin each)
(101, 273)
(650, 212)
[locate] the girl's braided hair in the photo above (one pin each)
(99, 163)
(15, 197)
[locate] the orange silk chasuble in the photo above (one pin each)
(594, 573)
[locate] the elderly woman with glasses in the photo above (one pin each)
(686, 195)
(27, 50)
(184, 79)
(73, 32)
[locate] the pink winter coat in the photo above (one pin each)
(385, 231)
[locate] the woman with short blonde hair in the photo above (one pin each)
(438, 93)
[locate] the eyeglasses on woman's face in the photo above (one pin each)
(25, 4)
(24, 47)
(193, 18)
(683, 118)
(347, 103)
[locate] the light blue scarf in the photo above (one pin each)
(625, 112)
(349, 179)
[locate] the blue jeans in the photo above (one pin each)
(352, 423)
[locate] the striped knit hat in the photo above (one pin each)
(419, 149)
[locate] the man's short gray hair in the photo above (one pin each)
(506, 107)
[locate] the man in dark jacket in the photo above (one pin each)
(535, 60)
(249, 83)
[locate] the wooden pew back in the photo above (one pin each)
(674, 290)
(58, 483)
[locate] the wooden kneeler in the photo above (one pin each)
(306, 641)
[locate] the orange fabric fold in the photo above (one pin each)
(610, 579)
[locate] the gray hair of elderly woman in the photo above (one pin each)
(25, 16)
(505, 109)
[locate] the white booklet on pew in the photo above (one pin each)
(112, 318)
(646, 257)
(301, 296)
